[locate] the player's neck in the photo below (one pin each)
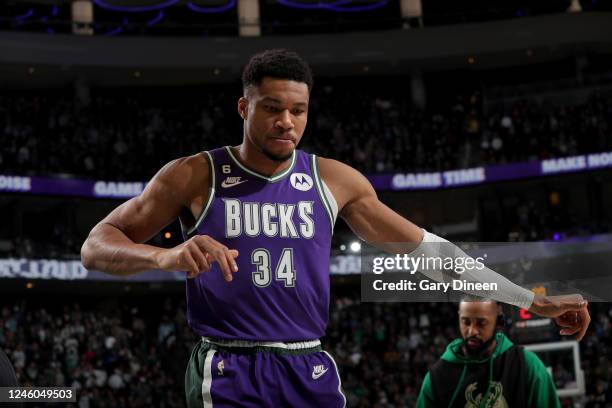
(256, 160)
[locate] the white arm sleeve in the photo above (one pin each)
(434, 246)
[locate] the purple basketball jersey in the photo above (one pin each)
(282, 227)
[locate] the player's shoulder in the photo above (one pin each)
(345, 182)
(334, 168)
(335, 172)
(185, 172)
(196, 163)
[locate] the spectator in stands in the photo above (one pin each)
(7, 373)
(8, 378)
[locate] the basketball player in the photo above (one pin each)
(258, 220)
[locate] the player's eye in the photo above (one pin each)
(271, 108)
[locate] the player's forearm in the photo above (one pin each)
(109, 250)
(507, 291)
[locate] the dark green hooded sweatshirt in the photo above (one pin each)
(511, 377)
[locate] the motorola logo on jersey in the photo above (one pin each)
(301, 181)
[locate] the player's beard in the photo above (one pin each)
(276, 157)
(480, 350)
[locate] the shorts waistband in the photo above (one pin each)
(299, 345)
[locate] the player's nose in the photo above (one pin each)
(284, 120)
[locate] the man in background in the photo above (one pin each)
(484, 368)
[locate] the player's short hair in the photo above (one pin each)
(278, 64)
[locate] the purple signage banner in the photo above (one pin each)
(70, 187)
(396, 181)
(490, 174)
(59, 269)
(340, 264)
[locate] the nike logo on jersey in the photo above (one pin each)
(318, 371)
(232, 181)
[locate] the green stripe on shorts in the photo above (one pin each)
(194, 375)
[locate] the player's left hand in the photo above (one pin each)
(570, 312)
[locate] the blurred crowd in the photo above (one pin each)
(386, 134)
(115, 136)
(114, 358)
(119, 354)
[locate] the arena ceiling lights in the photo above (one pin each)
(143, 6)
(340, 6)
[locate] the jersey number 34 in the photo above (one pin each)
(284, 270)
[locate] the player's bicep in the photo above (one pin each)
(371, 219)
(374, 222)
(360, 207)
(141, 217)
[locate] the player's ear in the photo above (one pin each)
(243, 107)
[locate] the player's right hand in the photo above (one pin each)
(197, 255)
(569, 311)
